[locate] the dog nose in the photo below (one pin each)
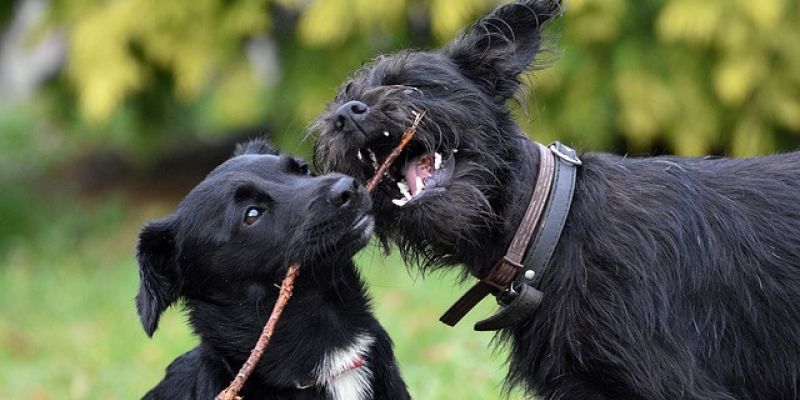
(353, 110)
(342, 191)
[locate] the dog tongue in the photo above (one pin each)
(420, 167)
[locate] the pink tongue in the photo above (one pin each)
(419, 167)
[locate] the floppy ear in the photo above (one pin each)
(499, 47)
(160, 280)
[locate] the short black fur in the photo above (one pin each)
(674, 278)
(227, 266)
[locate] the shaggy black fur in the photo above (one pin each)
(224, 252)
(674, 278)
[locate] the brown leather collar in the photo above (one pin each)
(506, 271)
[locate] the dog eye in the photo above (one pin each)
(252, 215)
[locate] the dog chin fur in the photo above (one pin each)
(674, 278)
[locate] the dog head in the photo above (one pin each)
(246, 222)
(445, 191)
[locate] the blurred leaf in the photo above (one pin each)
(647, 106)
(596, 20)
(447, 20)
(738, 75)
(764, 14)
(326, 22)
(750, 138)
(112, 46)
(696, 130)
(100, 64)
(237, 97)
(625, 74)
(694, 22)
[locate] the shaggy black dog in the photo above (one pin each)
(224, 252)
(673, 279)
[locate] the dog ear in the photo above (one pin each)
(499, 47)
(159, 274)
(255, 146)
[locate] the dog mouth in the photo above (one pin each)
(363, 227)
(345, 241)
(417, 174)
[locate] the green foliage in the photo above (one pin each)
(6, 11)
(684, 76)
(693, 77)
(114, 47)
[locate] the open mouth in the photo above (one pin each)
(416, 175)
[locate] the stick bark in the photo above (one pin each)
(407, 135)
(232, 391)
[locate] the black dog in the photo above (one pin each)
(673, 278)
(224, 252)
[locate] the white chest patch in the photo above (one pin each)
(344, 372)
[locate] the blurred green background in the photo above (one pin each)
(110, 110)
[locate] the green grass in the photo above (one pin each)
(69, 329)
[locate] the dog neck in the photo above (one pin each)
(543, 221)
(323, 313)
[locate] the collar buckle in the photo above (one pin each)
(502, 273)
(565, 153)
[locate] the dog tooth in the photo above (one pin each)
(399, 202)
(386, 133)
(437, 161)
(360, 156)
(403, 186)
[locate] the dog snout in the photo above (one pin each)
(353, 110)
(343, 191)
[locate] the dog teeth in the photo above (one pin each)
(399, 202)
(360, 156)
(403, 186)
(437, 161)
(386, 133)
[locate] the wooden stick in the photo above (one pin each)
(407, 135)
(232, 391)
